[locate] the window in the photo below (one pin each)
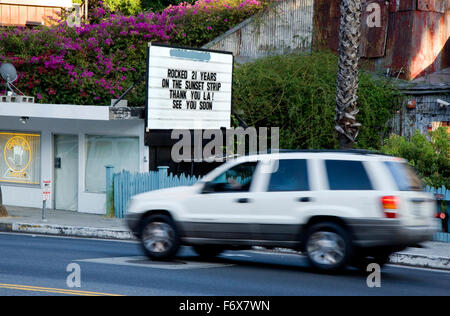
(120, 152)
(291, 175)
(404, 176)
(347, 175)
(20, 160)
(237, 179)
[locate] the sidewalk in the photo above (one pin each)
(66, 223)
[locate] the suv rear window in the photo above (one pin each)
(347, 175)
(291, 175)
(404, 176)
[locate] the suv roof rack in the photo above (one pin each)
(345, 151)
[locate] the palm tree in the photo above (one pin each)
(347, 80)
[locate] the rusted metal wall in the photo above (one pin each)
(285, 28)
(23, 12)
(412, 41)
(426, 114)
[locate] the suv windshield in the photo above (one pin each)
(404, 176)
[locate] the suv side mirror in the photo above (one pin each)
(211, 187)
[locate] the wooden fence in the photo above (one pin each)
(122, 186)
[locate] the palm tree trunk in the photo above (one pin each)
(347, 80)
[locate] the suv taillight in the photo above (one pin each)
(390, 205)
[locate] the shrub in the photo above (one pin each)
(126, 7)
(429, 157)
(95, 62)
(297, 94)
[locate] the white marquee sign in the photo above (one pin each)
(188, 88)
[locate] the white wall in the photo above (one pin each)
(40, 3)
(31, 196)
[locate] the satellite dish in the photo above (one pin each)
(9, 74)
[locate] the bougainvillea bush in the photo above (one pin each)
(96, 62)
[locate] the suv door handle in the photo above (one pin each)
(243, 200)
(304, 199)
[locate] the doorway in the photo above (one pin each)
(66, 172)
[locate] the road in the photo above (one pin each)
(37, 265)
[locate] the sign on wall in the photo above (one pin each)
(188, 88)
(20, 158)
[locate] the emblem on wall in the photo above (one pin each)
(17, 155)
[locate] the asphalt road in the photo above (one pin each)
(37, 265)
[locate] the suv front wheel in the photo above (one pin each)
(328, 246)
(159, 237)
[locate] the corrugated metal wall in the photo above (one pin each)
(285, 28)
(427, 112)
(413, 40)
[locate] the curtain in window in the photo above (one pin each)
(120, 152)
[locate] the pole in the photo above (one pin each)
(3, 211)
(44, 210)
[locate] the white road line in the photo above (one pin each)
(144, 262)
(235, 255)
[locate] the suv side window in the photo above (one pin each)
(404, 176)
(291, 175)
(236, 179)
(347, 175)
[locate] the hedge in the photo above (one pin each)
(297, 94)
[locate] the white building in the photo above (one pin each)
(68, 145)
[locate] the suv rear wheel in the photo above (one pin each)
(328, 246)
(159, 237)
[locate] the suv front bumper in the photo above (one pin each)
(132, 220)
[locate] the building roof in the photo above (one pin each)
(437, 82)
(70, 112)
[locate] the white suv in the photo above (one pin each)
(338, 207)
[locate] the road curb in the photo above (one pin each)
(422, 261)
(72, 231)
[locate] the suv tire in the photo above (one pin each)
(159, 237)
(328, 246)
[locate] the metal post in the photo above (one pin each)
(45, 196)
(44, 210)
(3, 211)
(110, 210)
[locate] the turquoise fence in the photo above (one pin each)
(123, 185)
(441, 194)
